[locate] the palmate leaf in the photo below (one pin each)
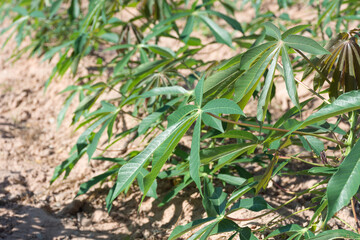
(129, 171)
(345, 183)
(164, 152)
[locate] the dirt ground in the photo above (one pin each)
(31, 147)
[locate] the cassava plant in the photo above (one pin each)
(176, 94)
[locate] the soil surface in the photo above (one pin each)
(31, 147)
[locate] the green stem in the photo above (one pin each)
(352, 134)
(281, 206)
(275, 129)
(301, 160)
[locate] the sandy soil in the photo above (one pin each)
(31, 146)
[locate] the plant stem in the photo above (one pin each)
(354, 213)
(275, 129)
(301, 160)
(312, 65)
(281, 206)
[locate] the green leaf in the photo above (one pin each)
(255, 204)
(195, 154)
(180, 114)
(253, 54)
(289, 77)
(344, 184)
(162, 51)
(180, 230)
(150, 190)
(185, 35)
(172, 193)
(212, 122)
(55, 7)
(336, 234)
(210, 154)
(222, 105)
(305, 44)
(199, 91)
(233, 180)
(122, 63)
(225, 225)
(294, 30)
(312, 143)
(346, 102)
(110, 37)
(84, 187)
(129, 171)
(265, 94)
(272, 30)
(63, 110)
(237, 134)
(247, 83)
(165, 150)
(93, 145)
(290, 229)
(221, 80)
(172, 90)
(231, 21)
(246, 234)
(221, 35)
(68, 164)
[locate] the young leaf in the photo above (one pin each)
(344, 184)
